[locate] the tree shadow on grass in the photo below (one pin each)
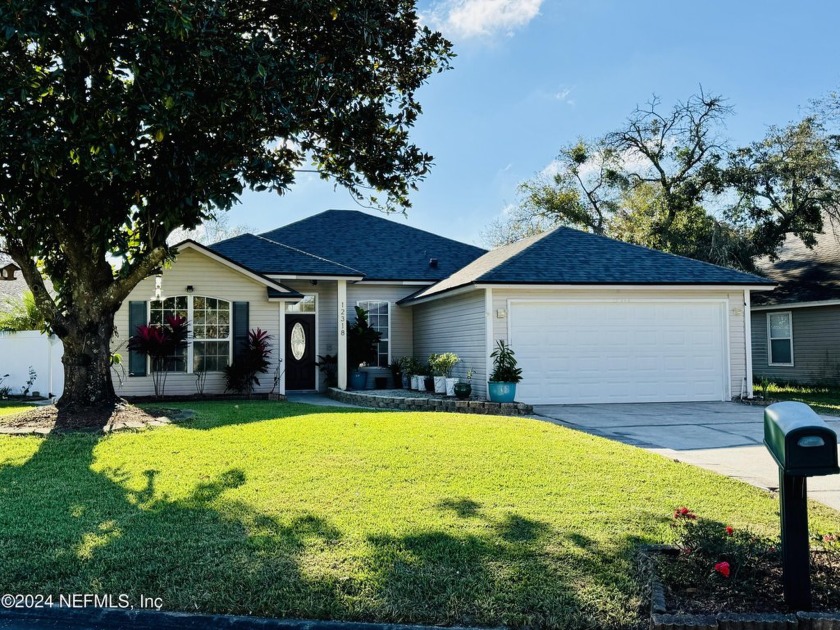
(215, 414)
(65, 528)
(517, 571)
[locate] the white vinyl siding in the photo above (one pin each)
(207, 277)
(401, 318)
(456, 324)
(780, 339)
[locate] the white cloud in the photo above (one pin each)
(563, 96)
(481, 18)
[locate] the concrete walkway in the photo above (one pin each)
(320, 400)
(720, 436)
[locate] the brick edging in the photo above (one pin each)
(430, 404)
(660, 619)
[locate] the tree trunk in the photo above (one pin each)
(87, 366)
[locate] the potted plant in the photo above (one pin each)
(438, 375)
(396, 374)
(502, 384)
(446, 363)
(463, 390)
(406, 366)
(428, 381)
(362, 340)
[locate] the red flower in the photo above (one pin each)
(729, 530)
(829, 538)
(684, 512)
(722, 568)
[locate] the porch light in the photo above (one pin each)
(158, 296)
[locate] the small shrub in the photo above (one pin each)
(33, 376)
(328, 365)
(505, 369)
(242, 375)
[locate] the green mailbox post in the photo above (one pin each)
(803, 446)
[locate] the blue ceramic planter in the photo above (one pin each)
(358, 379)
(501, 392)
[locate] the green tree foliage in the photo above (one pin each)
(787, 183)
(122, 120)
(670, 182)
(18, 313)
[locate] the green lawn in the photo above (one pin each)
(822, 399)
(10, 407)
(297, 511)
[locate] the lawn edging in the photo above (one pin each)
(366, 399)
(661, 619)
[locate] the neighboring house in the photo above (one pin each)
(12, 284)
(796, 327)
(591, 319)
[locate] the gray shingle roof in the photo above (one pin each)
(11, 288)
(568, 256)
(382, 249)
(803, 274)
(265, 255)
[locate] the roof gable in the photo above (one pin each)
(382, 249)
(568, 256)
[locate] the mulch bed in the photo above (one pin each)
(765, 593)
(50, 419)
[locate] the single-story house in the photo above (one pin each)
(591, 319)
(796, 327)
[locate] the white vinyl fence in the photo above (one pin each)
(22, 350)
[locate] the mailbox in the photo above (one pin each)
(803, 446)
(799, 440)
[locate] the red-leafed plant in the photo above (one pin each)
(242, 375)
(163, 345)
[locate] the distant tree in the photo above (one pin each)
(212, 230)
(787, 183)
(671, 160)
(123, 120)
(18, 313)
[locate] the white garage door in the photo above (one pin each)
(628, 351)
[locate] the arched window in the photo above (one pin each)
(210, 331)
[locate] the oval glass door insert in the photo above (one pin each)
(298, 341)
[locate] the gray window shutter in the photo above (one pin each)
(136, 317)
(240, 328)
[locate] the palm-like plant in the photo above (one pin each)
(18, 313)
(163, 345)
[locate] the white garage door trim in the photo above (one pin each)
(723, 304)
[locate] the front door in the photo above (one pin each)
(300, 352)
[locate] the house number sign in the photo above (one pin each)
(341, 319)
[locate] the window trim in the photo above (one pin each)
(190, 350)
(388, 338)
(770, 339)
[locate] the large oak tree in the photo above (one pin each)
(122, 120)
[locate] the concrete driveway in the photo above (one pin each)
(721, 436)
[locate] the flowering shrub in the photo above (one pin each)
(724, 568)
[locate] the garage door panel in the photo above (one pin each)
(587, 352)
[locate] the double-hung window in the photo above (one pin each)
(209, 320)
(379, 317)
(780, 338)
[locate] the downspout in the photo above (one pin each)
(748, 377)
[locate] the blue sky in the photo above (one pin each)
(533, 75)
